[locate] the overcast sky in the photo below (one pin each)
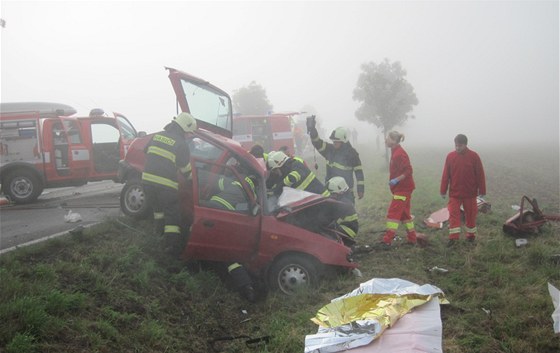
(486, 69)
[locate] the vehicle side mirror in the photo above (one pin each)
(255, 210)
(141, 133)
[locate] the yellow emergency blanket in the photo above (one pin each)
(385, 308)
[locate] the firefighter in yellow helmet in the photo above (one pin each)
(347, 218)
(342, 159)
(166, 154)
(292, 172)
(230, 198)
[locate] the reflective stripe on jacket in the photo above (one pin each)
(232, 195)
(299, 176)
(344, 162)
(166, 153)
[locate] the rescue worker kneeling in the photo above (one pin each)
(166, 154)
(230, 198)
(347, 221)
(291, 172)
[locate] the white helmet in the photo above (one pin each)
(276, 159)
(337, 185)
(186, 121)
(339, 134)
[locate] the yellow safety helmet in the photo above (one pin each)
(276, 159)
(339, 134)
(186, 121)
(337, 185)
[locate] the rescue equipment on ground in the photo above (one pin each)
(361, 316)
(528, 220)
(438, 218)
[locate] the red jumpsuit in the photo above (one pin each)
(464, 175)
(399, 210)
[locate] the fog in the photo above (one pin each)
(485, 69)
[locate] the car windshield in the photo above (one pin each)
(208, 105)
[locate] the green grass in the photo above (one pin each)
(110, 289)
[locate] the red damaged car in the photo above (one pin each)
(280, 240)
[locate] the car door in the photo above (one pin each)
(109, 138)
(79, 152)
(127, 133)
(66, 155)
(225, 226)
(210, 105)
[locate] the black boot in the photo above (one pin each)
(159, 225)
(173, 244)
(242, 281)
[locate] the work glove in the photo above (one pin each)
(310, 122)
(188, 176)
(360, 195)
(393, 181)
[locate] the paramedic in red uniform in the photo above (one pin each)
(401, 184)
(464, 176)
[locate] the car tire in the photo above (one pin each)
(134, 202)
(22, 186)
(292, 273)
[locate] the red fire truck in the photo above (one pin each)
(270, 131)
(43, 146)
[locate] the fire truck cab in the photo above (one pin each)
(270, 131)
(42, 145)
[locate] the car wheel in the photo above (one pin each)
(292, 273)
(22, 186)
(134, 201)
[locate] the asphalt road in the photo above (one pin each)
(45, 218)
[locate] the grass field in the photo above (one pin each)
(110, 289)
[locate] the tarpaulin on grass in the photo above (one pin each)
(361, 316)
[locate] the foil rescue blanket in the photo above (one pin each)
(361, 316)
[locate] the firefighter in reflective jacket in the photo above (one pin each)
(166, 154)
(228, 199)
(347, 221)
(232, 195)
(342, 159)
(292, 172)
